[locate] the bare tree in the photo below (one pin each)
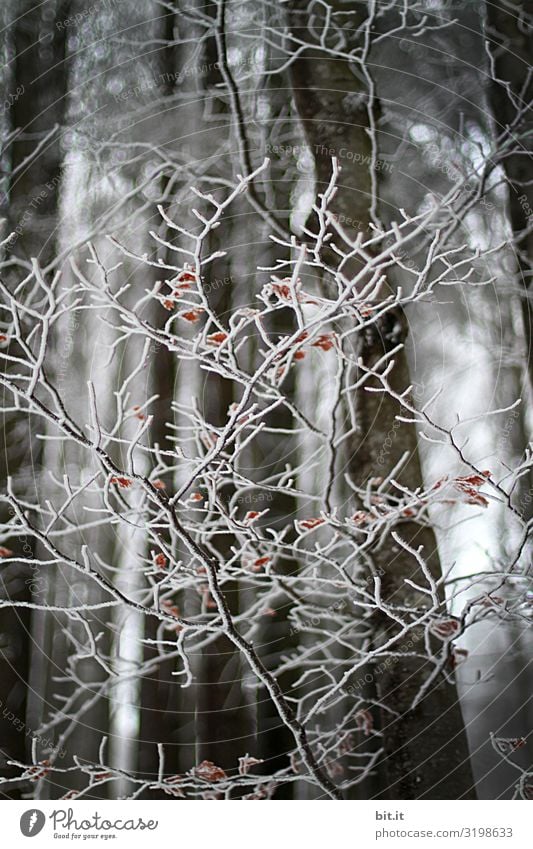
(340, 111)
(246, 599)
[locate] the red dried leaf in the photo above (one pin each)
(171, 787)
(325, 342)
(261, 561)
(173, 779)
(186, 275)
(457, 657)
(299, 355)
(160, 560)
(72, 794)
(257, 796)
(246, 763)
(168, 304)
(208, 771)
(465, 486)
(173, 611)
(472, 496)
(364, 721)
(476, 480)
(137, 412)
(37, 772)
(192, 315)
(196, 496)
(177, 293)
(334, 769)
(38, 775)
(170, 607)
(346, 744)
(282, 290)
(361, 518)
(210, 602)
(232, 408)
(5, 552)
(174, 791)
(444, 629)
(217, 338)
(490, 601)
(251, 515)
(255, 565)
(309, 524)
(124, 483)
(158, 484)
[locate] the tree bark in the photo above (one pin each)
(35, 88)
(510, 36)
(426, 753)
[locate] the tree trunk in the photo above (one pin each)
(35, 89)
(510, 36)
(426, 753)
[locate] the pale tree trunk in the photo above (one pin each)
(426, 753)
(79, 353)
(161, 700)
(80, 729)
(509, 34)
(510, 37)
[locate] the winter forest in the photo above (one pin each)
(266, 496)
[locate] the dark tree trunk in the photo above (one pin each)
(510, 34)
(426, 752)
(36, 49)
(39, 47)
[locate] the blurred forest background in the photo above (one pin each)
(112, 113)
